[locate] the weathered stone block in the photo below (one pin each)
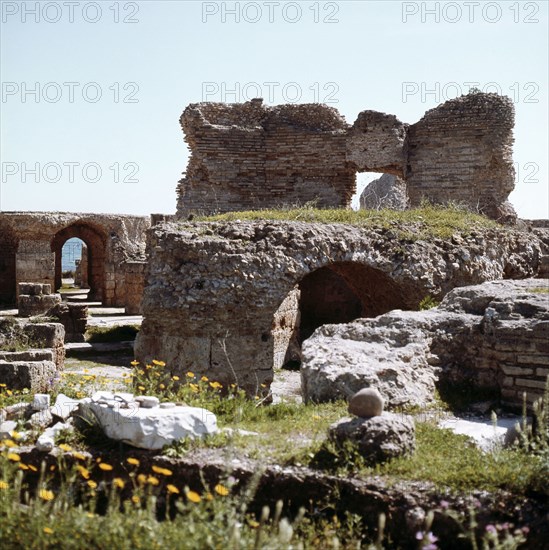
(37, 376)
(516, 371)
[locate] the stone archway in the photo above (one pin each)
(339, 292)
(95, 241)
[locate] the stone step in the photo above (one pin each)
(74, 349)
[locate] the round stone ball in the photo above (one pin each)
(366, 403)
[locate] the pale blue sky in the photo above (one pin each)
(366, 59)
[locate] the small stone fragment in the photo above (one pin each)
(366, 402)
(167, 405)
(149, 402)
(40, 419)
(40, 402)
(6, 428)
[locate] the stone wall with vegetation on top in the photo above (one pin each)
(217, 293)
(250, 156)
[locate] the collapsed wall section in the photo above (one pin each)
(462, 152)
(250, 156)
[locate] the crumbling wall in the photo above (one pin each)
(31, 244)
(249, 156)
(462, 152)
(212, 303)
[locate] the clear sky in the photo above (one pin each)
(92, 91)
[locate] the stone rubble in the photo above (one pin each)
(492, 336)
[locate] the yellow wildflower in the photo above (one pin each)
(118, 482)
(9, 443)
(216, 385)
(33, 468)
(78, 456)
(190, 374)
(23, 466)
(159, 363)
(134, 363)
(14, 457)
(172, 489)
(46, 495)
(175, 377)
(132, 461)
(153, 480)
(162, 386)
(65, 447)
(141, 388)
(193, 496)
(83, 471)
(161, 471)
(92, 484)
(105, 467)
(3, 485)
(221, 490)
(204, 379)
(194, 388)
(135, 499)
(142, 479)
(48, 530)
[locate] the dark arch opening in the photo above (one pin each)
(336, 293)
(94, 241)
(8, 278)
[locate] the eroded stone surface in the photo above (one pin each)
(215, 290)
(379, 438)
(491, 336)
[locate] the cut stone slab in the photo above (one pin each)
(149, 428)
(484, 434)
(379, 438)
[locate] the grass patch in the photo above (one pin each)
(540, 290)
(121, 333)
(427, 221)
(451, 460)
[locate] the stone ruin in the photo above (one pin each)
(114, 256)
(250, 156)
(235, 300)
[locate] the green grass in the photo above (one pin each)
(540, 290)
(112, 334)
(453, 461)
(426, 222)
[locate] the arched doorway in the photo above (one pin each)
(336, 293)
(94, 242)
